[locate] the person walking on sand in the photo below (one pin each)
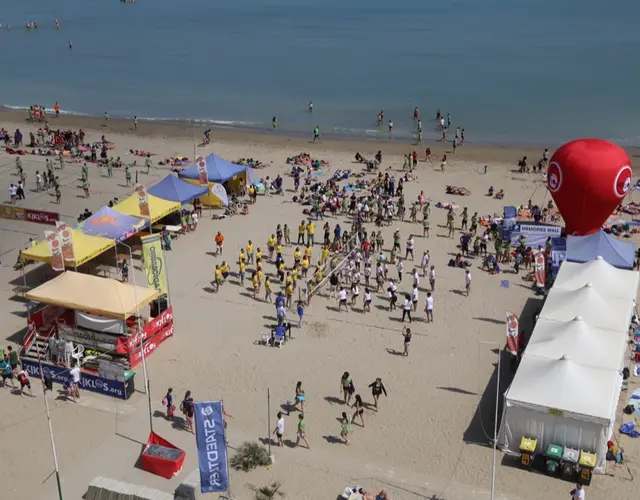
(467, 281)
(56, 108)
(346, 428)
(450, 223)
(432, 278)
(135, 123)
(406, 333)
(443, 163)
(342, 300)
(424, 263)
(85, 188)
(300, 397)
(302, 431)
(167, 402)
(188, 409)
(23, 378)
(366, 306)
(279, 430)
(58, 193)
(316, 134)
(106, 119)
(127, 175)
(219, 239)
(406, 308)
(428, 308)
(347, 387)
(377, 389)
(359, 406)
(74, 373)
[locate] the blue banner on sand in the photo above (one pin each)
(212, 447)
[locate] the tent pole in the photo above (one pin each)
(495, 429)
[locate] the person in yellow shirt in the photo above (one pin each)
(267, 290)
(324, 256)
(242, 257)
(301, 229)
(305, 267)
(288, 279)
(260, 275)
(311, 231)
(224, 269)
(294, 276)
(281, 269)
(256, 285)
(297, 256)
(288, 292)
(271, 246)
(258, 254)
(318, 275)
(279, 248)
(243, 270)
(249, 248)
(307, 252)
(217, 279)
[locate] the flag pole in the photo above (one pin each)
(269, 420)
(51, 439)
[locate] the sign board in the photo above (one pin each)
(88, 381)
(535, 234)
(27, 214)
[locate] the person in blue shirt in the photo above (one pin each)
(7, 373)
(279, 300)
(337, 233)
(300, 311)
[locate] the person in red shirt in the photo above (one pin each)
(415, 158)
(23, 378)
(366, 247)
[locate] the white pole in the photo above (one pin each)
(139, 332)
(495, 431)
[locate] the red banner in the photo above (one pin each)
(41, 216)
(151, 345)
(513, 336)
(539, 267)
(151, 329)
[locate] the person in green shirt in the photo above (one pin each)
(425, 226)
(302, 431)
(85, 187)
(426, 210)
(346, 428)
(316, 134)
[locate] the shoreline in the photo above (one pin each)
(182, 129)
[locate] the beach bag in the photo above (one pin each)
(165, 402)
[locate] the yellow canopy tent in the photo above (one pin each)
(85, 248)
(92, 294)
(158, 208)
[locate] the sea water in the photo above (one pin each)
(508, 71)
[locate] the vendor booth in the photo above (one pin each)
(224, 178)
(562, 403)
(158, 208)
(620, 254)
(85, 248)
(109, 223)
(93, 321)
(173, 189)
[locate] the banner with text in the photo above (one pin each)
(67, 241)
(154, 262)
(212, 447)
(513, 327)
(539, 268)
(55, 247)
(535, 234)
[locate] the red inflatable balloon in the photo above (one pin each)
(588, 178)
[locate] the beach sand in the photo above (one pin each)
(430, 439)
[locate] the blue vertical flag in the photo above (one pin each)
(212, 447)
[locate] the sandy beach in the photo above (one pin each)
(430, 437)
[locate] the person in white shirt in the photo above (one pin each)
(342, 300)
(429, 307)
(400, 268)
(406, 308)
(279, 430)
(416, 277)
(366, 307)
(577, 493)
(13, 191)
(432, 278)
(426, 257)
(355, 292)
(414, 297)
(467, 281)
(409, 251)
(75, 380)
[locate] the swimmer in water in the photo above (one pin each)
(57, 23)
(70, 45)
(310, 107)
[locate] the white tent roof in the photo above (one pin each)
(597, 309)
(607, 279)
(560, 384)
(583, 344)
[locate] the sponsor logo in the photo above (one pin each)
(41, 217)
(213, 465)
(554, 177)
(155, 268)
(622, 184)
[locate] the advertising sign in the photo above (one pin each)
(125, 345)
(154, 262)
(88, 382)
(41, 216)
(212, 447)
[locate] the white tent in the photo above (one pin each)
(583, 344)
(605, 278)
(597, 309)
(561, 402)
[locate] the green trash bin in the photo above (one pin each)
(554, 457)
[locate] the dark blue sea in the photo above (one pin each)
(508, 71)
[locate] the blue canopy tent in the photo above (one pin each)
(618, 253)
(111, 224)
(220, 171)
(173, 189)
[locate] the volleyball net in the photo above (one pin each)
(346, 251)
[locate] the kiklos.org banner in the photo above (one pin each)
(212, 447)
(154, 262)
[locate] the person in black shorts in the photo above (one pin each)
(406, 333)
(188, 409)
(23, 378)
